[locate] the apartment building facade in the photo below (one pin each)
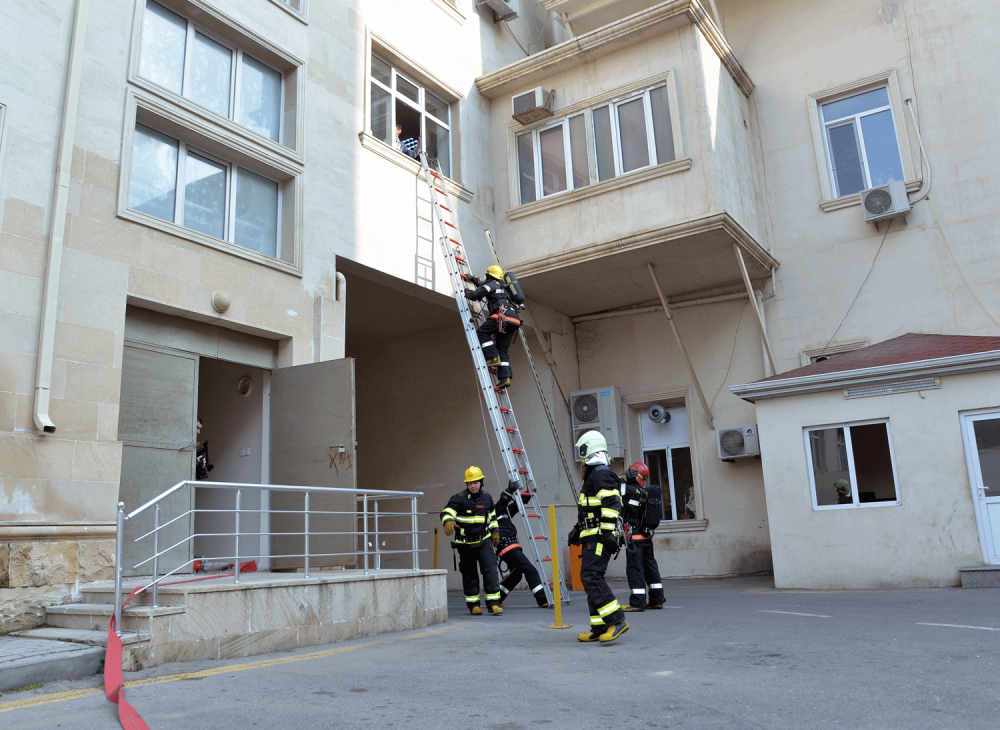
(688, 220)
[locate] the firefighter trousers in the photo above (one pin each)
(496, 343)
(520, 567)
(641, 569)
(604, 607)
(471, 560)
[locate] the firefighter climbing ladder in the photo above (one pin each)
(513, 452)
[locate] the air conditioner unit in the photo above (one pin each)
(738, 442)
(885, 201)
(533, 105)
(599, 409)
(502, 9)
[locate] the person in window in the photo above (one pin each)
(501, 325)
(509, 550)
(397, 143)
(598, 511)
(471, 517)
(843, 488)
(641, 509)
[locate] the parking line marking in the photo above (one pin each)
(960, 626)
(793, 613)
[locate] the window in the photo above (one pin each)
(182, 58)
(407, 116)
(670, 469)
(861, 144)
(175, 182)
(865, 468)
(625, 135)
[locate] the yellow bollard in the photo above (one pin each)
(435, 548)
(556, 583)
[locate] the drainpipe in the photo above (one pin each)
(57, 222)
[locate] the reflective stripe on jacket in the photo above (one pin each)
(474, 516)
(599, 500)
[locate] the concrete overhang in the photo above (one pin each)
(878, 375)
(613, 37)
(693, 258)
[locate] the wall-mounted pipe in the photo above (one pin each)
(57, 222)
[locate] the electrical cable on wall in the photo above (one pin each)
(870, 269)
(731, 354)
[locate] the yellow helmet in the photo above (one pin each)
(495, 272)
(473, 474)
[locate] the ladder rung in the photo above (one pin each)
(435, 174)
(504, 410)
(447, 223)
(547, 560)
(444, 207)
(511, 430)
(523, 471)
(459, 259)
(539, 537)
(534, 515)
(518, 451)
(457, 243)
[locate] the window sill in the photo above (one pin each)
(615, 183)
(157, 99)
(848, 201)
(408, 163)
(194, 236)
(297, 14)
(667, 528)
(451, 10)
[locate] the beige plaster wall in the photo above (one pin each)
(711, 111)
(934, 273)
(921, 542)
(638, 354)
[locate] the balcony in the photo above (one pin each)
(577, 227)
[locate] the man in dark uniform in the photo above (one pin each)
(510, 551)
(598, 513)
(502, 322)
(471, 517)
(641, 508)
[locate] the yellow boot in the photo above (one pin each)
(477, 611)
(590, 635)
(496, 610)
(613, 632)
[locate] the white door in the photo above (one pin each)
(982, 448)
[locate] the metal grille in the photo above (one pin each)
(732, 442)
(865, 391)
(585, 408)
(878, 201)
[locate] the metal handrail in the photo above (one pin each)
(362, 499)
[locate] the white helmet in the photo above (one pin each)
(591, 443)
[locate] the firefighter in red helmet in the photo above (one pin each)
(642, 507)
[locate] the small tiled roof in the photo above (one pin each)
(906, 348)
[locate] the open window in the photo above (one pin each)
(852, 465)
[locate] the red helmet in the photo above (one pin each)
(642, 472)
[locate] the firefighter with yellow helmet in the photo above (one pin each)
(502, 296)
(470, 516)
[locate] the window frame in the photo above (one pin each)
(232, 34)
(214, 144)
(849, 445)
(235, 71)
(854, 120)
(587, 107)
(830, 201)
(419, 106)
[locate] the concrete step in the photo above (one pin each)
(25, 662)
(81, 636)
(94, 616)
(980, 576)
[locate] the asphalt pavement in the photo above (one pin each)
(728, 654)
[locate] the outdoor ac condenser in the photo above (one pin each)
(738, 442)
(502, 9)
(599, 409)
(532, 106)
(885, 202)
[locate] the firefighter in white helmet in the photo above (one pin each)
(598, 511)
(471, 517)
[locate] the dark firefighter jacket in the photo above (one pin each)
(474, 515)
(600, 502)
(496, 296)
(507, 512)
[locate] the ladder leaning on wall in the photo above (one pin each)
(508, 436)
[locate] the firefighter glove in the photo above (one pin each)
(449, 527)
(495, 537)
(513, 485)
(469, 293)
